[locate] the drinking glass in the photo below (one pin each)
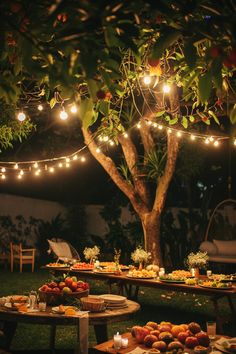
(211, 329)
(33, 299)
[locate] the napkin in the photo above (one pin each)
(138, 350)
(226, 342)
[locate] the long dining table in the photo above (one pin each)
(130, 286)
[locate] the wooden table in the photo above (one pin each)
(99, 320)
(130, 286)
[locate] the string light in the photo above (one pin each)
(126, 135)
(83, 159)
(16, 166)
(160, 127)
(216, 143)
(147, 80)
(139, 125)
(40, 107)
(3, 169)
(169, 131)
(207, 141)
(179, 134)
(21, 116)
(51, 169)
(21, 172)
(36, 165)
(60, 165)
(3, 176)
(67, 159)
(111, 142)
(67, 165)
(106, 138)
(98, 150)
(73, 109)
(235, 142)
(192, 137)
(63, 114)
(155, 124)
(166, 88)
(75, 157)
(19, 176)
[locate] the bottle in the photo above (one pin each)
(33, 299)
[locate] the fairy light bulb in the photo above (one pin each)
(75, 157)
(73, 109)
(67, 159)
(51, 169)
(147, 80)
(67, 165)
(207, 141)
(139, 125)
(126, 135)
(83, 159)
(154, 125)
(16, 166)
(235, 142)
(21, 116)
(160, 127)
(216, 143)
(111, 142)
(169, 131)
(19, 176)
(106, 138)
(211, 139)
(166, 88)
(21, 172)
(63, 115)
(37, 173)
(40, 107)
(3, 177)
(179, 134)
(98, 150)
(60, 165)
(149, 122)
(3, 169)
(192, 137)
(100, 138)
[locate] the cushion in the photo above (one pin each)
(209, 247)
(227, 248)
(223, 259)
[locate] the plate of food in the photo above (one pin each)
(179, 273)
(226, 345)
(65, 310)
(142, 274)
(82, 266)
(216, 285)
(113, 265)
(57, 265)
(106, 270)
(166, 279)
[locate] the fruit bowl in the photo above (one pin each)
(57, 298)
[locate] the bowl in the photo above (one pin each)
(54, 298)
(92, 303)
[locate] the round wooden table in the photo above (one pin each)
(99, 320)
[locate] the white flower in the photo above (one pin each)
(140, 255)
(91, 253)
(198, 259)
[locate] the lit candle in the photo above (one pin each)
(124, 342)
(209, 273)
(192, 272)
(117, 341)
(161, 273)
(162, 270)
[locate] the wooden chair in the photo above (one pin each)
(22, 256)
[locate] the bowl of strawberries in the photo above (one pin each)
(62, 290)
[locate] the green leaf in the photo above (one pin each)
(173, 121)
(184, 122)
(93, 88)
(168, 38)
(86, 112)
(190, 54)
(159, 114)
(204, 87)
(214, 117)
(104, 107)
(232, 115)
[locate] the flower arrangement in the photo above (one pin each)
(197, 260)
(140, 255)
(91, 253)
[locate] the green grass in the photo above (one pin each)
(156, 305)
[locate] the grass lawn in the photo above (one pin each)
(156, 306)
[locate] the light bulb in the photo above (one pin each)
(111, 142)
(179, 134)
(211, 138)
(19, 176)
(98, 150)
(192, 137)
(169, 131)
(106, 138)
(36, 165)
(126, 135)
(207, 141)
(160, 127)
(21, 116)
(51, 169)
(37, 173)
(73, 109)
(16, 166)
(216, 143)
(21, 172)
(83, 159)
(3, 177)
(63, 115)
(60, 165)
(235, 142)
(166, 88)
(75, 157)
(40, 107)
(67, 165)
(100, 138)
(147, 80)
(3, 169)
(149, 122)
(67, 159)
(139, 125)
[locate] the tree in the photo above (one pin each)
(98, 55)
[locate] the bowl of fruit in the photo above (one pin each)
(63, 290)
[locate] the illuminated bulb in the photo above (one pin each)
(154, 125)
(51, 169)
(67, 165)
(160, 127)
(21, 116)
(147, 80)
(149, 122)
(216, 143)
(75, 157)
(206, 141)
(73, 109)
(36, 165)
(179, 134)
(166, 88)
(19, 176)
(98, 150)
(192, 137)
(169, 131)
(111, 142)
(211, 138)
(67, 159)
(37, 173)
(60, 165)
(16, 166)
(100, 138)
(40, 107)
(21, 172)
(105, 138)
(3, 169)
(83, 159)
(138, 125)
(235, 142)
(3, 177)
(63, 115)
(126, 135)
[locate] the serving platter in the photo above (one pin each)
(180, 281)
(215, 288)
(80, 269)
(223, 349)
(62, 266)
(137, 277)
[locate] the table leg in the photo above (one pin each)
(101, 333)
(52, 337)
(9, 329)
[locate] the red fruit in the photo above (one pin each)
(15, 7)
(149, 340)
(203, 339)
(108, 96)
(101, 94)
(134, 329)
(219, 102)
(140, 334)
(194, 327)
(62, 17)
(52, 284)
(215, 52)
(167, 337)
(160, 345)
(68, 281)
(154, 325)
(153, 62)
(61, 285)
(56, 290)
(182, 336)
(155, 332)
(44, 287)
(164, 328)
(176, 345)
(73, 285)
(191, 342)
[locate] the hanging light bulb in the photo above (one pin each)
(67, 165)
(83, 159)
(40, 107)
(106, 138)
(211, 139)
(160, 127)
(3, 169)
(126, 135)
(75, 157)
(111, 142)
(154, 125)
(216, 143)
(36, 165)
(235, 142)
(207, 141)
(51, 169)
(67, 159)
(73, 109)
(139, 125)
(98, 150)
(19, 176)
(60, 165)
(169, 131)
(149, 122)
(37, 173)
(3, 177)
(179, 134)
(147, 80)
(21, 172)
(63, 114)
(192, 137)
(16, 166)
(21, 116)
(166, 88)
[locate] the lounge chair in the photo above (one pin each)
(63, 250)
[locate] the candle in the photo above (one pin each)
(124, 342)
(162, 270)
(161, 273)
(117, 341)
(209, 273)
(192, 272)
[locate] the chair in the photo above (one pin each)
(22, 256)
(63, 250)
